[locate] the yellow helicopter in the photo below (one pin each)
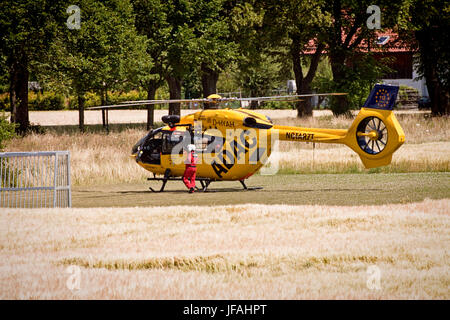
(233, 144)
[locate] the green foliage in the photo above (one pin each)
(93, 99)
(27, 29)
(257, 74)
(186, 39)
(37, 101)
(276, 105)
(127, 45)
(256, 70)
(429, 22)
(46, 101)
(359, 77)
(192, 84)
(403, 91)
(348, 38)
(4, 76)
(4, 101)
(213, 44)
(407, 96)
(7, 131)
(105, 53)
(430, 19)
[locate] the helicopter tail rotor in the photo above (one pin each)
(376, 134)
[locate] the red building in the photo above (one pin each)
(402, 60)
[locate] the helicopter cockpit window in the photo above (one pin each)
(174, 138)
(208, 144)
(158, 135)
(201, 143)
(152, 148)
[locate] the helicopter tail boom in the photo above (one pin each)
(374, 135)
(288, 133)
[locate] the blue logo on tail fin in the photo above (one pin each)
(382, 97)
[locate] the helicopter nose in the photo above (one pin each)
(136, 148)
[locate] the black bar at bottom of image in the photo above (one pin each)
(223, 309)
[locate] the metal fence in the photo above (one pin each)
(35, 179)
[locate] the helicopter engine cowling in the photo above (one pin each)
(171, 120)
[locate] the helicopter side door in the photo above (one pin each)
(173, 148)
(174, 141)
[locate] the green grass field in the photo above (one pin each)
(320, 189)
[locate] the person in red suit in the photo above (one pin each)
(191, 168)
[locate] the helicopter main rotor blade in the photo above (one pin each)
(143, 103)
(290, 96)
(215, 100)
(166, 101)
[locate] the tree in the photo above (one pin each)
(430, 21)
(184, 36)
(26, 31)
(213, 45)
(294, 26)
(168, 26)
(344, 37)
(179, 45)
(7, 131)
(256, 69)
(257, 74)
(152, 23)
(104, 54)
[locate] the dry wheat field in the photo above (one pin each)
(244, 251)
(227, 252)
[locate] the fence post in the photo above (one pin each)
(55, 176)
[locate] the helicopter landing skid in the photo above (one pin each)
(205, 182)
(249, 188)
(164, 180)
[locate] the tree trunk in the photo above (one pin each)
(304, 106)
(18, 94)
(102, 97)
(81, 100)
(151, 93)
(433, 92)
(439, 96)
(446, 102)
(298, 73)
(339, 104)
(306, 102)
(254, 104)
(209, 80)
(175, 93)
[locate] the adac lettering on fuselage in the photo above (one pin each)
(236, 151)
(299, 136)
(223, 123)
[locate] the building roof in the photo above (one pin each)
(387, 41)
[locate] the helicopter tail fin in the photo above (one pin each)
(382, 97)
(375, 133)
